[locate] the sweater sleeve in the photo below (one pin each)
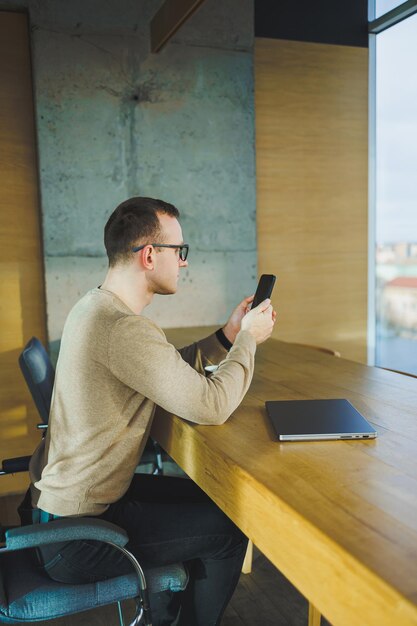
(207, 351)
(140, 356)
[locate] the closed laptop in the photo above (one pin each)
(305, 420)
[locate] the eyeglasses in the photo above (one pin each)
(182, 250)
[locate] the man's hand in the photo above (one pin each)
(259, 322)
(233, 323)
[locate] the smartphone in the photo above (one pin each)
(264, 289)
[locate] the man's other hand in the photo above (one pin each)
(233, 323)
(259, 322)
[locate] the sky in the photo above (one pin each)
(383, 6)
(396, 131)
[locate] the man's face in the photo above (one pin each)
(165, 276)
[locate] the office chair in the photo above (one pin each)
(39, 375)
(27, 593)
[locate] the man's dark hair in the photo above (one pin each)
(134, 222)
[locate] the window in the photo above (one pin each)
(395, 219)
(383, 6)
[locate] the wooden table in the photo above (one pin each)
(338, 518)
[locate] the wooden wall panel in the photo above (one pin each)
(311, 103)
(22, 300)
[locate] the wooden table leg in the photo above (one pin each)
(247, 563)
(314, 617)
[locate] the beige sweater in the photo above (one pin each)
(113, 367)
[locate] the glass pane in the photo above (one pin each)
(383, 6)
(396, 197)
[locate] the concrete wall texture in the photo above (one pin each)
(115, 121)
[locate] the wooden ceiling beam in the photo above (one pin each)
(170, 17)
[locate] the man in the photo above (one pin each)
(114, 366)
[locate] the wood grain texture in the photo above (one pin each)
(22, 303)
(338, 519)
(311, 103)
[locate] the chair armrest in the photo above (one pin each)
(68, 529)
(18, 464)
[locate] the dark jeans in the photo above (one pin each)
(168, 520)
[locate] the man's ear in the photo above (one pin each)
(148, 257)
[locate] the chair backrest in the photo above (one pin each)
(39, 374)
